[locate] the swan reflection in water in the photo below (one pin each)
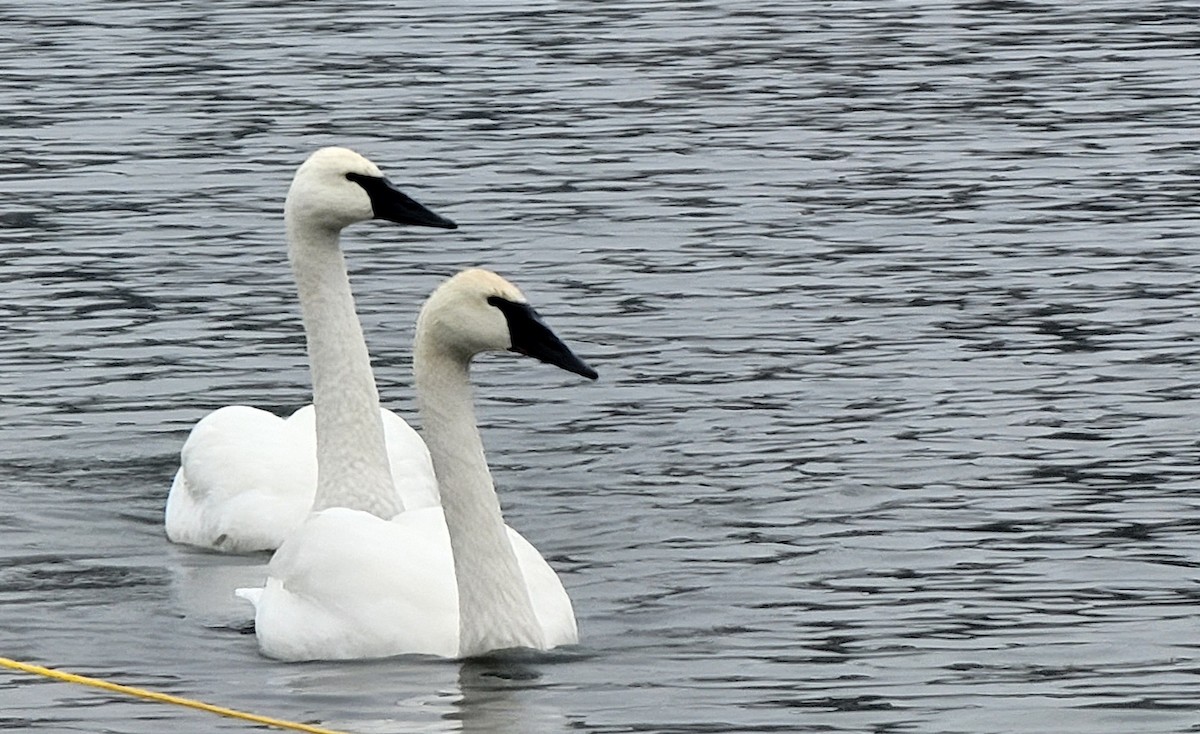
(494, 696)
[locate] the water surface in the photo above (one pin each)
(893, 304)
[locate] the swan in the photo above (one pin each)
(248, 478)
(450, 581)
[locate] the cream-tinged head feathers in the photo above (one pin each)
(323, 196)
(479, 311)
(458, 317)
(337, 187)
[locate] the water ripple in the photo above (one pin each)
(892, 306)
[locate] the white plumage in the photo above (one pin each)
(248, 478)
(453, 581)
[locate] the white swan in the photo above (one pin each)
(248, 478)
(453, 581)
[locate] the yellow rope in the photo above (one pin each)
(161, 697)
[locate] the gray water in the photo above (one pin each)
(893, 305)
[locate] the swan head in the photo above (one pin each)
(337, 187)
(478, 311)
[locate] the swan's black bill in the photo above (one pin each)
(392, 204)
(531, 337)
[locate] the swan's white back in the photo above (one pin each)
(246, 480)
(247, 477)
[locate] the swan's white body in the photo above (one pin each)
(349, 585)
(453, 581)
(248, 478)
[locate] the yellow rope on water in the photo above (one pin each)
(161, 697)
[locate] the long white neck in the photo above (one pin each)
(494, 608)
(352, 461)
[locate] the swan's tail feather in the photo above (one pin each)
(250, 595)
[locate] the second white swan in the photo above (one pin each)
(452, 581)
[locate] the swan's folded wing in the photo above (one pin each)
(243, 484)
(350, 585)
(551, 603)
